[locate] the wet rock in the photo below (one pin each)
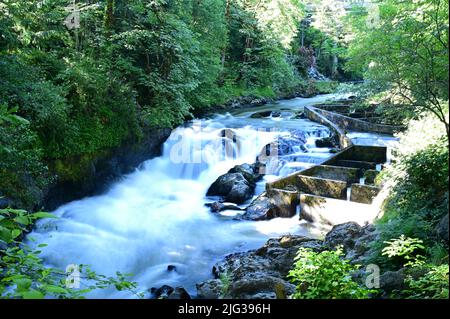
(171, 268)
(238, 185)
(272, 204)
(344, 234)
(240, 193)
(392, 280)
(259, 286)
(257, 273)
(233, 187)
(179, 293)
(285, 145)
(326, 142)
(218, 207)
(162, 292)
(210, 289)
(442, 229)
(260, 115)
(275, 114)
(250, 172)
(299, 116)
(260, 209)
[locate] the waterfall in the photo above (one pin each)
(155, 216)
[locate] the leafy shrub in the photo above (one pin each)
(418, 184)
(23, 174)
(325, 275)
(433, 285)
(408, 249)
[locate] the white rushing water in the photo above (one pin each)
(157, 217)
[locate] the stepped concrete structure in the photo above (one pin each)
(340, 189)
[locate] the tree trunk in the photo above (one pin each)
(109, 15)
(334, 64)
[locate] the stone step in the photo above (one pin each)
(355, 164)
(348, 174)
(322, 187)
(363, 193)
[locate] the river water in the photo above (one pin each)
(156, 216)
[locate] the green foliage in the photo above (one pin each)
(433, 285)
(418, 196)
(325, 275)
(408, 249)
(405, 54)
(23, 274)
(21, 159)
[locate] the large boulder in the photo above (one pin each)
(354, 239)
(442, 229)
(233, 187)
(343, 235)
(238, 185)
(250, 172)
(392, 280)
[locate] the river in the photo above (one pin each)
(156, 216)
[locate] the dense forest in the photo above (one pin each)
(79, 79)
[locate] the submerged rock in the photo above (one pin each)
(171, 268)
(218, 207)
(329, 142)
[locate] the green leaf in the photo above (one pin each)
(22, 220)
(15, 233)
(32, 294)
(23, 284)
(55, 289)
(42, 215)
(5, 234)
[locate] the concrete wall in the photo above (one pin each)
(370, 176)
(286, 201)
(332, 212)
(363, 193)
(367, 155)
(322, 187)
(312, 114)
(373, 154)
(348, 174)
(346, 123)
(355, 164)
